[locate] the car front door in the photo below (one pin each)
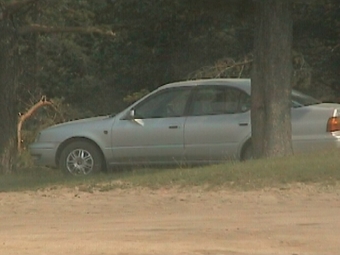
(154, 130)
(217, 124)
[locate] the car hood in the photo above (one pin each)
(81, 122)
(85, 128)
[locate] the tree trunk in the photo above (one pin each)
(271, 79)
(8, 111)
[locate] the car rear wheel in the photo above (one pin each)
(248, 152)
(80, 158)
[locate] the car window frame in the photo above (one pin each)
(160, 92)
(223, 87)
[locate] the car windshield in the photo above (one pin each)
(299, 99)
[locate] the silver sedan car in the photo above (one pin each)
(202, 121)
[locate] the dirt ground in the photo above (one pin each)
(299, 220)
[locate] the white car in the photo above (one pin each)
(199, 121)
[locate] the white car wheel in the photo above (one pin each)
(80, 158)
(247, 153)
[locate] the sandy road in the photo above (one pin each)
(300, 220)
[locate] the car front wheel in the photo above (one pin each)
(80, 158)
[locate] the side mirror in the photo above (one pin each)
(132, 114)
(129, 115)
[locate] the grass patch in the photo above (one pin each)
(42, 178)
(322, 168)
(255, 174)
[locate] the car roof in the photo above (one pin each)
(243, 84)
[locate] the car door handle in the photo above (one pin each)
(243, 124)
(173, 127)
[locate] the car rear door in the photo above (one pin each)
(217, 124)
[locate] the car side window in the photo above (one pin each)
(165, 104)
(214, 100)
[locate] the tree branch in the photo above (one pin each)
(336, 46)
(35, 28)
(242, 64)
(42, 102)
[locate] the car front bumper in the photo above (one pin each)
(44, 153)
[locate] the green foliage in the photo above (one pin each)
(23, 162)
(157, 42)
(317, 37)
(135, 96)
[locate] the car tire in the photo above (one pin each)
(80, 158)
(248, 152)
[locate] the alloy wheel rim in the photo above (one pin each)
(79, 162)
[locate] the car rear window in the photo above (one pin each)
(299, 99)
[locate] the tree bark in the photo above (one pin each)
(8, 85)
(271, 79)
